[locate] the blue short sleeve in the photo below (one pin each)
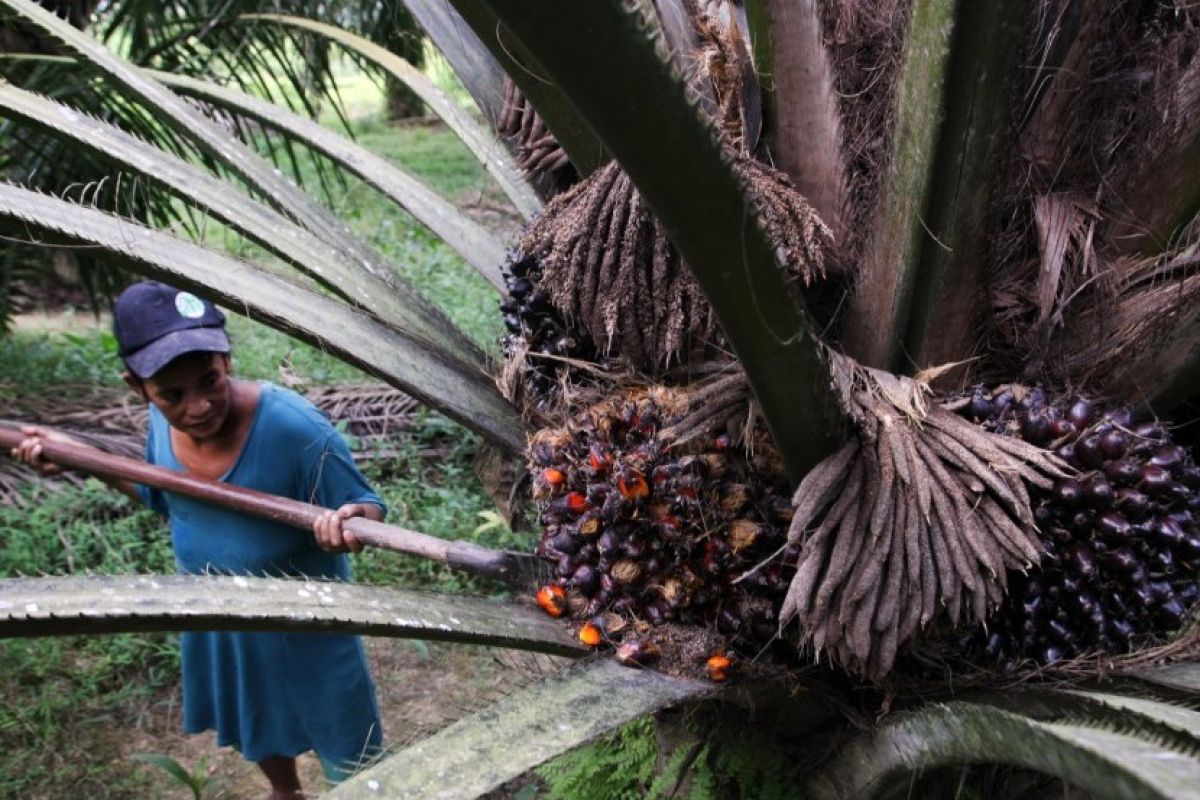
(334, 478)
(326, 474)
(273, 694)
(154, 498)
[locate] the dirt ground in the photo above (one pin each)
(422, 687)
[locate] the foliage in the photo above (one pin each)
(723, 763)
(198, 38)
(195, 780)
(618, 766)
(64, 696)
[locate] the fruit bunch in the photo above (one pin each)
(1122, 547)
(535, 327)
(639, 528)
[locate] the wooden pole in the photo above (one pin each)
(519, 570)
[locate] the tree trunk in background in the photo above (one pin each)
(408, 42)
(16, 39)
(402, 103)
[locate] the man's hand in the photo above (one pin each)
(30, 450)
(329, 532)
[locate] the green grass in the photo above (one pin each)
(62, 697)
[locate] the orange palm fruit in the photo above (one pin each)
(552, 599)
(718, 666)
(590, 634)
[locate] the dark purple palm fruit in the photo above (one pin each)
(1123, 547)
(638, 527)
(535, 325)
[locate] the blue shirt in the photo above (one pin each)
(272, 694)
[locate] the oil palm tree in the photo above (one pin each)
(983, 189)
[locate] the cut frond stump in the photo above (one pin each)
(922, 512)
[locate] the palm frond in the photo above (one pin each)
(569, 127)
(439, 380)
(259, 223)
(471, 241)
(949, 295)
(1098, 760)
(474, 64)
(520, 732)
(405, 305)
(491, 153)
(873, 328)
(95, 604)
(807, 129)
(43, 162)
(202, 38)
(1183, 678)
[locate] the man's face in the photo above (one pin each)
(193, 393)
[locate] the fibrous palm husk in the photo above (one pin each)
(1112, 103)
(1104, 343)
(865, 44)
(608, 264)
(538, 154)
(921, 511)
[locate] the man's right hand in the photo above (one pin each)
(30, 450)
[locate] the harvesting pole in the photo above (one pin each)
(517, 570)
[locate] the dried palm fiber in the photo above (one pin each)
(608, 266)
(1118, 95)
(920, 511)
(864, 42)
(1105, 343)
(114, 420)
(538, 154)
(927, 662)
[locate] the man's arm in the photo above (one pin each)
(30, 452)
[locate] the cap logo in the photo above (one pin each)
(189, 306)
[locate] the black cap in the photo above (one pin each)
(155, 324)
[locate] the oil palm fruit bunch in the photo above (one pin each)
(656, 532)
(535, 330)
(1121, 564)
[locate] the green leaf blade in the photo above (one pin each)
(491, 153)
(478, 753)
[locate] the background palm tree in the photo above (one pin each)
(964, 236)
